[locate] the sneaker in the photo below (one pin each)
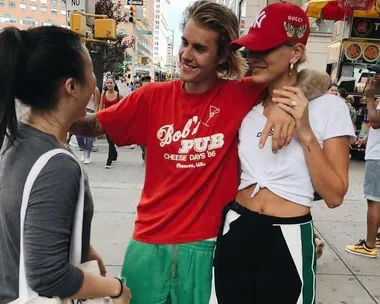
(362, 249)
(83, 156)
(378, 240)
(108, 164)
(319, 246)
(95, 148)
(87, 161)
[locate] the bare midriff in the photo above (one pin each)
(267, 203)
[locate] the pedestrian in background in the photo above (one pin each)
(368, 247)
(110, 96)
(86, 144)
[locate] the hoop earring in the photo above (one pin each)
(291, 67)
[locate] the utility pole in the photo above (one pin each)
(134, 52)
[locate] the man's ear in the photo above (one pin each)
(222, 56)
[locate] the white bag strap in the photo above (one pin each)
(25, 292)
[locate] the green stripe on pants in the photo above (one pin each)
(169, 274)
(309, 263)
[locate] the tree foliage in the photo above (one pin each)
(113, 52)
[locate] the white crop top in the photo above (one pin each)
(285, 173)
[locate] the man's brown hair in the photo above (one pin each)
(222, 20)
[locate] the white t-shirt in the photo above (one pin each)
(286, 173)
(372, 150)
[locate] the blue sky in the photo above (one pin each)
(177, 7)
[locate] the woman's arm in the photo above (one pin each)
(97, 100)
(328, 167)
(48, 229)
(101, 103)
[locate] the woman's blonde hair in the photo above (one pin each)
(222, 20)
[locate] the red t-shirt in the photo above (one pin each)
(192, 160)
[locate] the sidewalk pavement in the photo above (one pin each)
(342, 278)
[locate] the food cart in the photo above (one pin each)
(354, 49)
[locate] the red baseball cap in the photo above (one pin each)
(276, 24)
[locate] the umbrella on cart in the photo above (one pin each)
(340, 9)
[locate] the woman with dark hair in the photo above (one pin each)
(110, 96)
(55, 58)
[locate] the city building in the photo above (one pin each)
(321, 31)
(27, 13)
(161, 30)
(169, 51)
(140, 33)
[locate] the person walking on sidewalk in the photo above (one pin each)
(367, 247)
(86, 143)
(68, 83)
(110, 97)
(192, 167)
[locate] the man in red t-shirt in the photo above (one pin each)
(190, 130)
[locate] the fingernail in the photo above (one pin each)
(261, 146)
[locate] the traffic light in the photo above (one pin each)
(105, 29)
(132, 14)
(78, 24)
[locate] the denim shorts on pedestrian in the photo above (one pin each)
(372, 180)
(169, 274)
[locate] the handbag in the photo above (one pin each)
(26, 294)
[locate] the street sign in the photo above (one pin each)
(73, 6)
(135, 2)
(144, 32)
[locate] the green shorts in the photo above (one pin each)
(169, 274)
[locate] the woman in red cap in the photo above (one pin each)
(265, 251)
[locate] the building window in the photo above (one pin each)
(33, 1)
(63, 5)
(53, 11)
(6, 18)
(12, 4)
(53, 3)
(48, 23)
(44, 9)
(1, 3)
(63, 12)
(28, 21)
(43, 2)
(23, 7)
(33, 8)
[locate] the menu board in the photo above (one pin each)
(361, 51)
(365, 28)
